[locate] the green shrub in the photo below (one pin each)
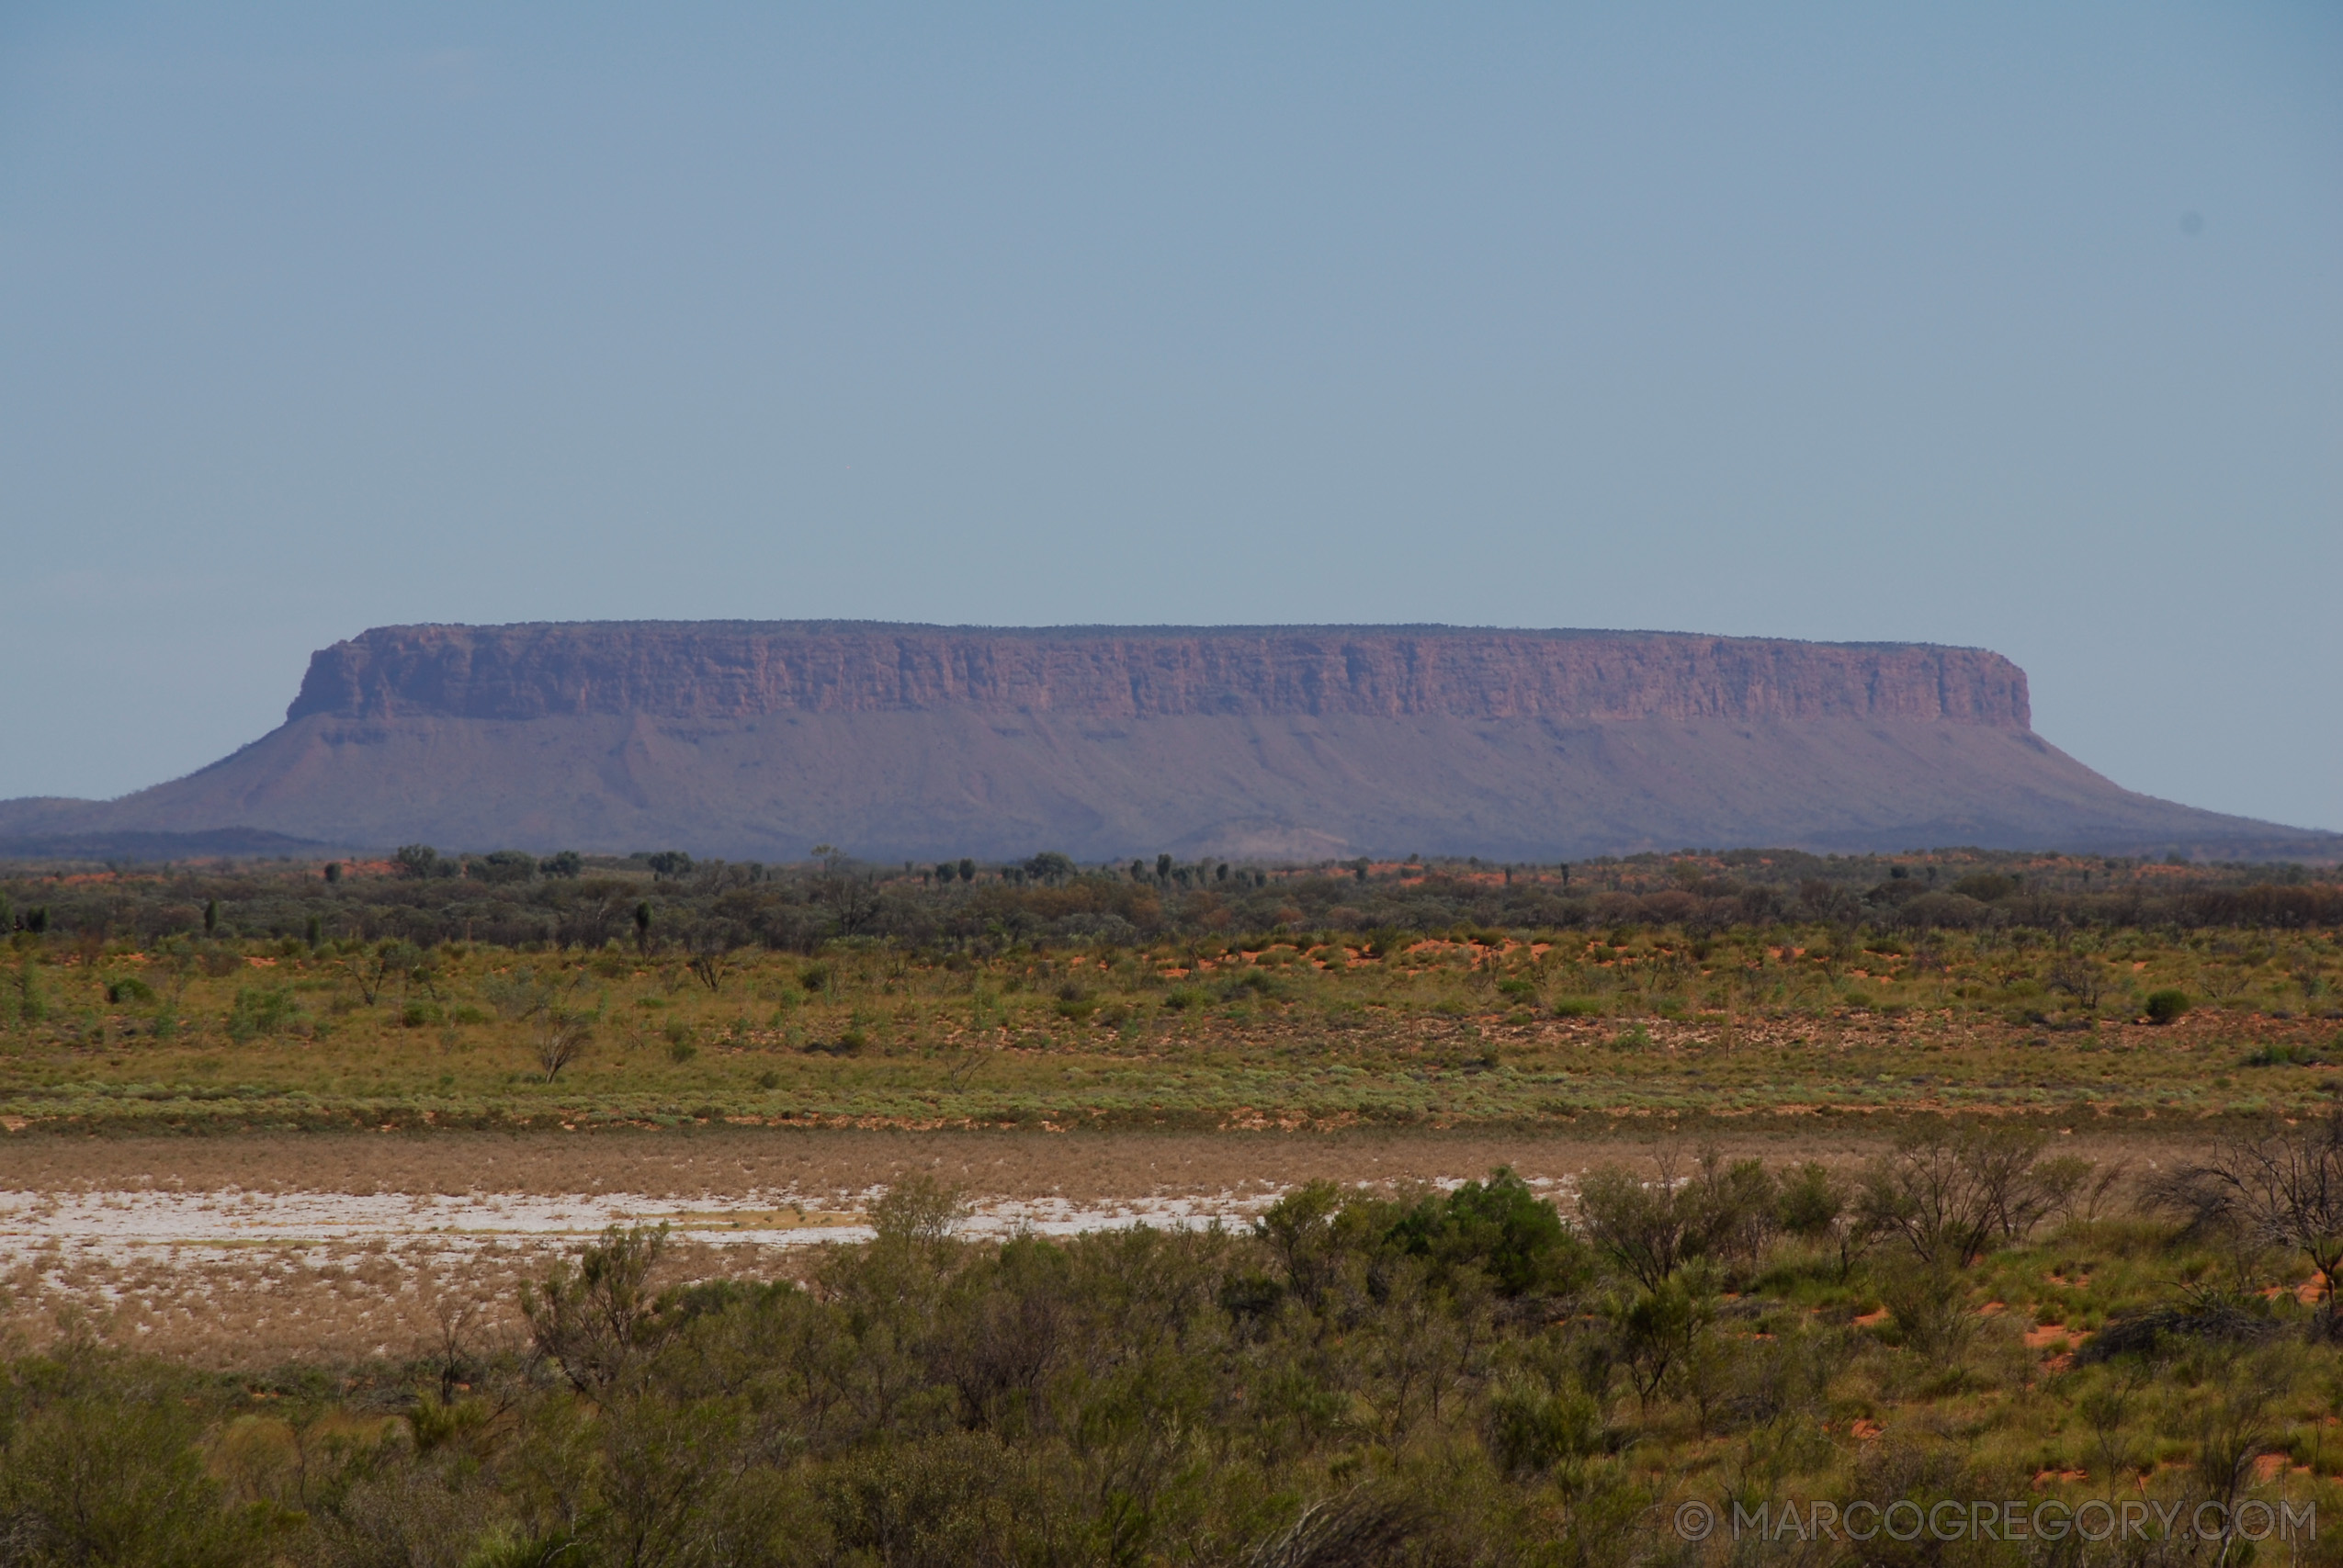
(2164, 1006)
(259, 1010)
(1811, 1201)
(1501, 1227)
(1577, 1007)
(501, 866)
(1528, 1430)
(1929, 1303)
(100, 1461)
(1256, 982)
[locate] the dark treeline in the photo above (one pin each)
(669, 901)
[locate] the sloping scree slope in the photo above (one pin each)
(761, 738)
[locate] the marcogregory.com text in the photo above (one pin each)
(1952, 1519)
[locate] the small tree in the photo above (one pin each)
(1950, 1198)
(1814, 1205)
(1645, 1226)
(711, 947)
(1734, 1207)
(2080, 976)
(559, 1033)
(561, 1038)
(1659, 1329)
(2284, 1191)
(1299, 1231)
(600, 1319)
(501, 866)
(918, 1208)
(1050, 867)
(852, 900)
(373, 968)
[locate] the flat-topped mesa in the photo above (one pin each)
(754, 740)
(725, 669)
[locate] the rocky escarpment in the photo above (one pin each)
(746, 669)
(761, 740)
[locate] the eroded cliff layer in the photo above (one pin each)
(760, 740)
(745, 670)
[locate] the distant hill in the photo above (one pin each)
(213, 843)
(758, 739)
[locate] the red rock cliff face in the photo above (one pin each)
(715, 670)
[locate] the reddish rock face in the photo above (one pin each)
(758, 739)
(744, 670)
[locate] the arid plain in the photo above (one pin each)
(318, 1114)
(489, 1209)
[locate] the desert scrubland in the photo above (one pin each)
(498, 1209)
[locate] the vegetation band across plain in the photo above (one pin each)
(483, 1209)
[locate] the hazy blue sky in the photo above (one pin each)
(2014, 325)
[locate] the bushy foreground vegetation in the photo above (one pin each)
(1042, 994)
(1364, 1378)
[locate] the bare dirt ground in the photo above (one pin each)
(254, 1251)
(740, 1164)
